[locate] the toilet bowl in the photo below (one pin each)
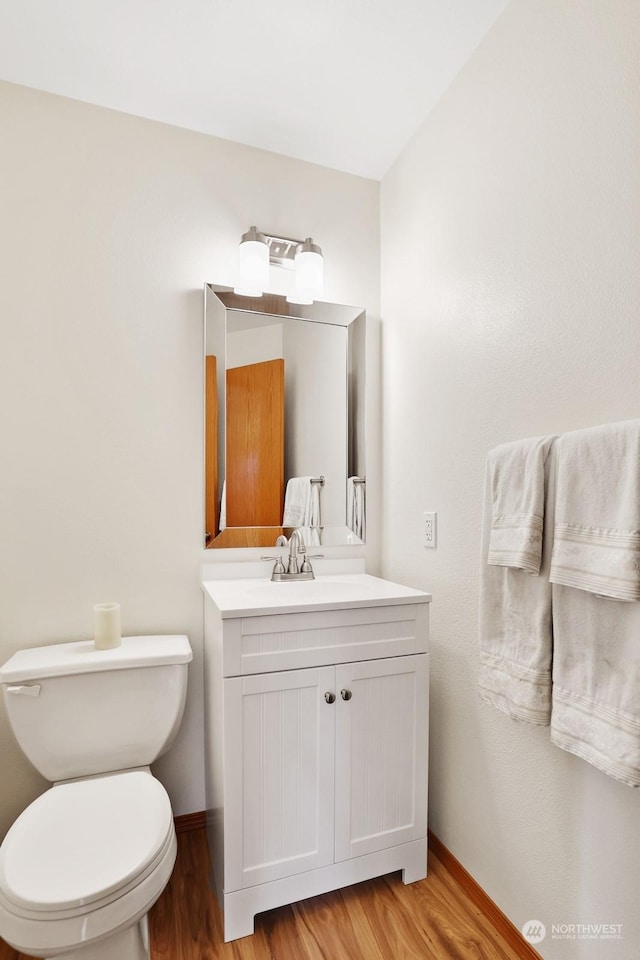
(83, 864)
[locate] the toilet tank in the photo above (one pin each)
(77, 711)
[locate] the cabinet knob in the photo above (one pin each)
(346, 694)
(329, 697)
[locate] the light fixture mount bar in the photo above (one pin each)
(282, 250)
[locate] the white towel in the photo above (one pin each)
(597, 530)
(515, 619)
(301, 503)
(596, 563)
(310, 536)
(516, 477)
(596, 681)
(356, 513)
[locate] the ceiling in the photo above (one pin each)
(342, 83)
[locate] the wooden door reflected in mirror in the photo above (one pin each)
(254, 488)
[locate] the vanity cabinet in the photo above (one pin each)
(316, 742)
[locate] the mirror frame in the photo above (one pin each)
(335, 314)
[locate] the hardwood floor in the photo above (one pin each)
(433, 919)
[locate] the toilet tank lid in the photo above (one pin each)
(65, 659)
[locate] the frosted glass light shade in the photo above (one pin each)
(253, 264)
(309, 278)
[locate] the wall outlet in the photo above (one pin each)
(430, 529)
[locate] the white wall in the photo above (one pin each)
(110, 227)
(511, 305)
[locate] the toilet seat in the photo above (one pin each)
(85, 859)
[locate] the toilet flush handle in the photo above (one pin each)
(33, 690)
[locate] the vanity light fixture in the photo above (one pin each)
(258, 250)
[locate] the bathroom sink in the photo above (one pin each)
(256, 597)
(320, 590)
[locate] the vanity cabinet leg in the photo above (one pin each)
(415, 867)
(239, 920)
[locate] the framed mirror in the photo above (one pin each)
(284, 421)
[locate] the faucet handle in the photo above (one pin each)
(306, 563)
(279, 565)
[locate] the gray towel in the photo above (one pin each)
(596, 564)
(596, 681)
(597, 528)
(515, 614)
(516, 477)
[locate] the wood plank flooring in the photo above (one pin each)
(380, 919)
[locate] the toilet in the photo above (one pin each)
(82, 865)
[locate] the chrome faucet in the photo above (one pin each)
(294, 571)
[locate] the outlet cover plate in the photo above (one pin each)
(429, 529)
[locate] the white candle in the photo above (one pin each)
(107, 625)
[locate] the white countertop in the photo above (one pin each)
(259, 596)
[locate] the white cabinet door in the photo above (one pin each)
(381, 754)
(279, 775)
